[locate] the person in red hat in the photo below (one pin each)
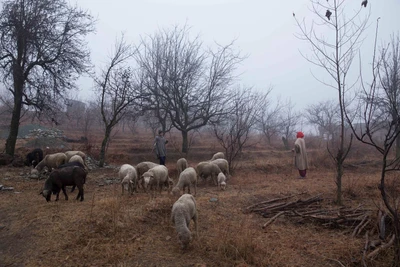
(300, 156)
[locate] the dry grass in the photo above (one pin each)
(108, 229)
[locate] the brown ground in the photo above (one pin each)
(108, 229)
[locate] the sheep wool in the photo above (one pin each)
(187, 178)
(183, 211)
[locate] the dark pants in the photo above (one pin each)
(302, 173)
(162, 161)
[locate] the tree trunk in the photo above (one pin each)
(104, 145)
(398, 146)
(185, 142)
(285, 143)
(16, 114)
(339, 174)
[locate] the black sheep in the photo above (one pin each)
(60, 178)
(69, 164)
(34, 157)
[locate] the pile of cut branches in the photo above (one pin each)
(311, 210)
(356, 220)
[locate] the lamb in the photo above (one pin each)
(34, 157)
(141, 168)
(206, 169)
(70, 154)
(221, 181)
(50, 161)
(60, 178)
(128, 175)
(181, 164)
(186, 178)
(218, 155)
(223, 165)
(157, 177)
(183, 211)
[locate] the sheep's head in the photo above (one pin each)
(223, 185)
(176, 191)
(46, 194)
(148, 178)
(185, 238)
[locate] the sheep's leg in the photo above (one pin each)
(80, 194)
(195, 224)
(188, 187)
(122, 185)
(65, 192)
(195, 188)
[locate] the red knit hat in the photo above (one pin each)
(300, 135)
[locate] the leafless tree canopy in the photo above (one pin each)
(325, 115)
(269, 122)
(234, 129)
(118, 91)
(188, 83)
(333, 49)
(42, 51)
(379, 111)
(289, 123)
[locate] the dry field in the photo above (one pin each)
(108, 229)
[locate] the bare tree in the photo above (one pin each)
(289, 122)
(90, 117)
(117, 91)
(325, 115)
(269, 122)
(389, 77)
(188, 83)
(234, 129)
(334, 52)
(379, 111)
(42, 52)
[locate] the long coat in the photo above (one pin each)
(300, 160)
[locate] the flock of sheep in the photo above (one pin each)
(152, 177)
(70, 169)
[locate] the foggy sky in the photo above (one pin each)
(264, 30)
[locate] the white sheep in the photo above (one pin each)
(223, 165)
(183, 211)
(187, 178)
(221, 181)
(72, 153)
(156, 178)
(181, 164)
(50, 161)
(128, 175)
(207, 169)
(141, 168)
(218, 155)
(77, 158)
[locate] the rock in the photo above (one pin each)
(1, 186)
(168, 238)
(7, 188)
(213, 199)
